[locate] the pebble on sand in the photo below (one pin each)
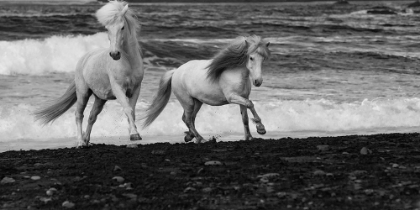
(35, 177)
(323, 147)
(189, 189)
(207, 190)
(319, 173)
(127, 186)
(117, 168)
(132, 146)
(68, 204)
(45, 200)
(213, 163)
(130, 195)
(51, 191)
(118, 178)
(7, 180)
(269, 175)
(365, 151)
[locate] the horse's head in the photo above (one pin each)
(248, 52)
(114, 17)
(257, 53)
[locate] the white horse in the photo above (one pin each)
(114, 73)
(223, 80)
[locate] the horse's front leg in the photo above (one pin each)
(245, 120)
(119, 93)
(236, 99)
(132, 101)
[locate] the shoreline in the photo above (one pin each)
(69, 142)
(99, 3)
(379, 171)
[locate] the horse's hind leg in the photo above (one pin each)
(189, 106)
(197, 107)
(189, 134)
(83, 95)
(97, 107)
(245, 120)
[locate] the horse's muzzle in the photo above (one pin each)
(115, 55)
(258, 82)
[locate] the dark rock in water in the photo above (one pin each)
(382, 10)
(414, 4)
(341, 2)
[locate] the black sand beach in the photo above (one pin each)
(348, 172)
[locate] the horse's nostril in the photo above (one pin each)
(115, 56)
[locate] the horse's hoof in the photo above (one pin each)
(135, 137)
(248, 138)
(261, 131)
(200, 140)
(188, 138)
(81, 145)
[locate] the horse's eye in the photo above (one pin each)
(251, 58)
(122, 28)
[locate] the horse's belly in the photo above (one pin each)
(212, 100)
(209, 94)
(104, 95)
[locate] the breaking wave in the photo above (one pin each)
(54, 54)
(278, 116)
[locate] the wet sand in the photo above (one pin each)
(379, 171)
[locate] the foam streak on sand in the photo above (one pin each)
(278, 116)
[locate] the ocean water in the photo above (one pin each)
(334, 70)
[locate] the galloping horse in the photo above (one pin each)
(114, 73)
(223, 80)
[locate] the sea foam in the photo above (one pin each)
(322, 115)
(53, 54)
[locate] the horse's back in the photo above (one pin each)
(191, 79)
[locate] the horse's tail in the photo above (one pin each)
(160, 100)
(57, 107)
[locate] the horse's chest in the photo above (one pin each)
(128, 83)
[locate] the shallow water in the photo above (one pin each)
(333, 70)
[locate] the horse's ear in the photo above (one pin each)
(125, 9)
(268, 44)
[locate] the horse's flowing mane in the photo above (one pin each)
(236, 55)
(114, 11)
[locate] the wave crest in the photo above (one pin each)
(278, 116)
(54, 54)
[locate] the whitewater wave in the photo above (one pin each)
(29, 15)
(58, 54)
(54, 54)
(278, 116)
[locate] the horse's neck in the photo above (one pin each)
(244, 74)
(131, 47)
